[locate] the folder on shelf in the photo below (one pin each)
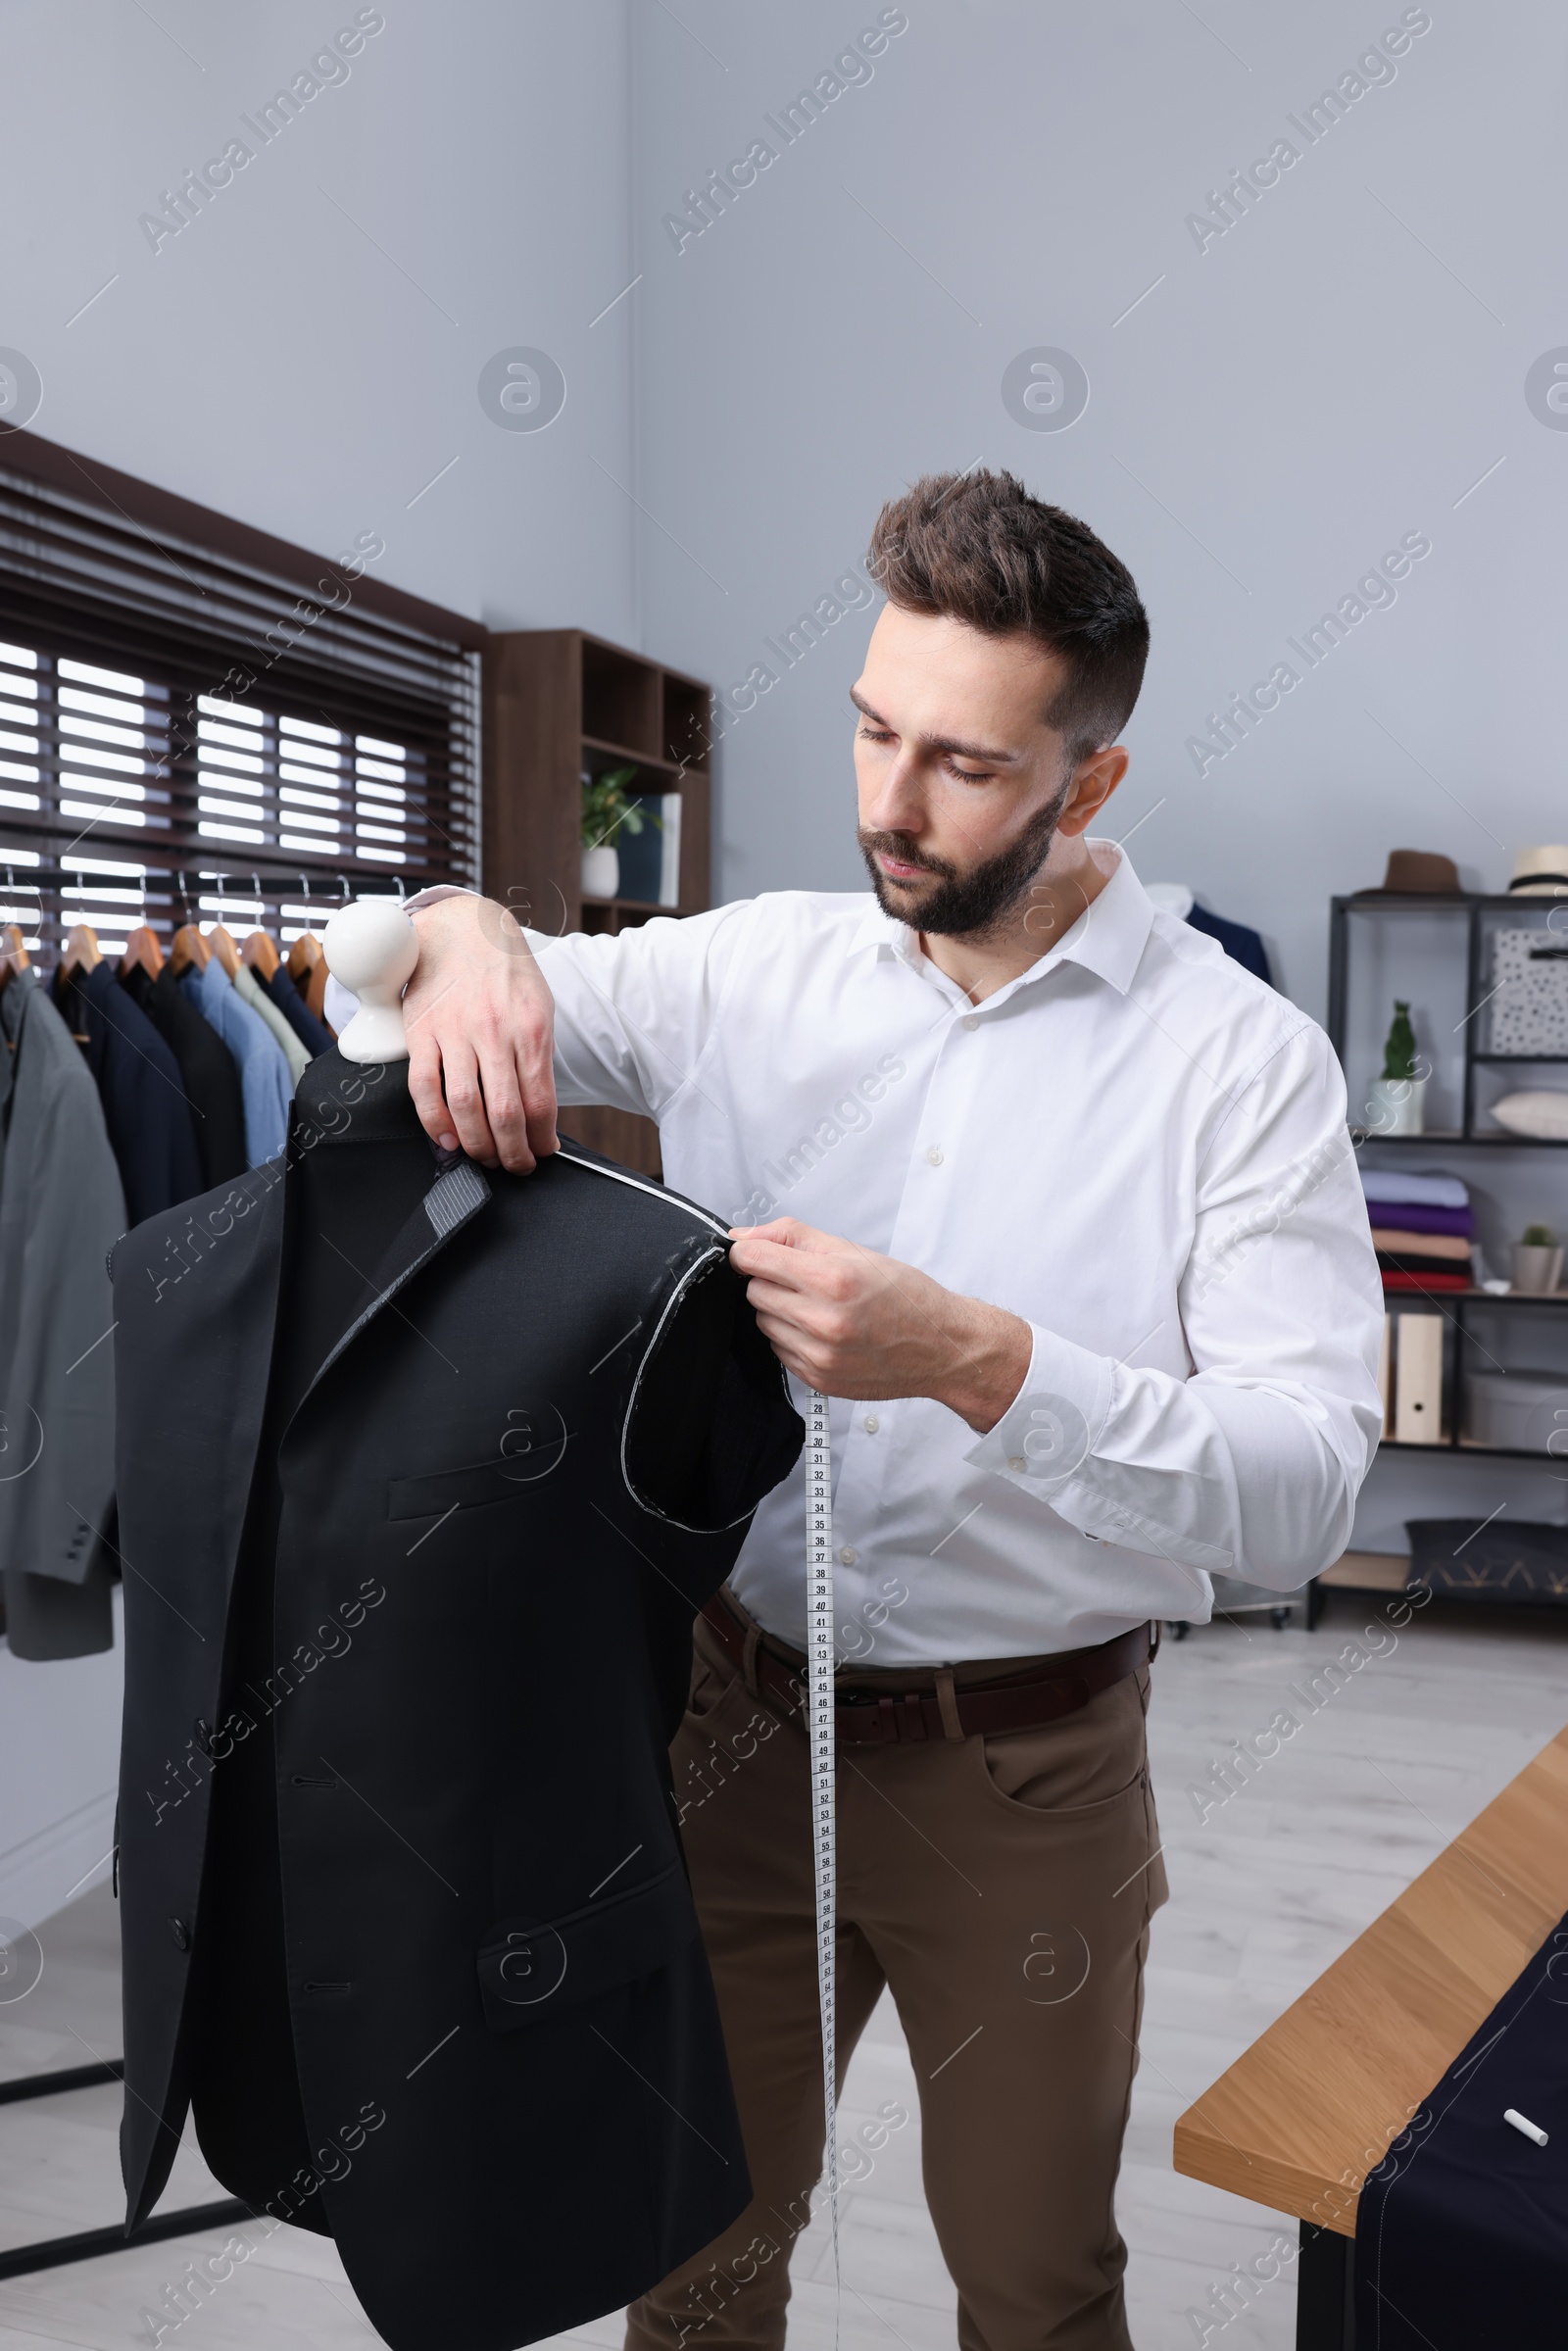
(1418, 1380)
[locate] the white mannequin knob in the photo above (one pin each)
(370, 949)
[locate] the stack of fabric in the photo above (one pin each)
(1423, 1229)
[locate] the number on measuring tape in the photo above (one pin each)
(820, 1708)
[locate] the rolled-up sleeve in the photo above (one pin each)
(1249, 1464)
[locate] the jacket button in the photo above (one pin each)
(180, 1932)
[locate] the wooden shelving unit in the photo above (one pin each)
(559, 703)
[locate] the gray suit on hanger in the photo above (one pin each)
(61, 1211)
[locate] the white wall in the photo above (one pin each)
(59, 1769)
(1270, 419)
(309, 372)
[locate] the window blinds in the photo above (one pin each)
(183, 734)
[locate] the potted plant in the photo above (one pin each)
(1536, 1260)
(606, 811)
(1396, 1107)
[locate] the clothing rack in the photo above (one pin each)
(48, 896)
(54, 2252)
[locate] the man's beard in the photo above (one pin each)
(961, 905)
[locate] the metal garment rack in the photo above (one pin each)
(171, 895)
(52, 2252)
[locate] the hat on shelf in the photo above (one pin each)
(1418, 873)
(1539, 873)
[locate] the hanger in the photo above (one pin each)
(81, 948)
(188, 949)
(306, 950)
(260, 949)
(221, 945)
(142, 947)
(14, 957)
(316, 988)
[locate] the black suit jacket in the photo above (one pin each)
(140, 1087)
(205, 1067)
(531, 1457)
(313, 1033)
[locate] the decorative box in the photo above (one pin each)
(1528, 1013)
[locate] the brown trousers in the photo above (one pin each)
(1004, 1887)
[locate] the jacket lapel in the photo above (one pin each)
(452, 1201)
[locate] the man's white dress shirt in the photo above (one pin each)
(1134, 1145)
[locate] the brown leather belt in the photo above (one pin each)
(867, 1717)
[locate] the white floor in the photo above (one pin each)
(1267, 1891)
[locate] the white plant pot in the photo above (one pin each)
(600, 872)
(1396, 1107)
(1535, 1270)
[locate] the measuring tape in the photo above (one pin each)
(819, 1707)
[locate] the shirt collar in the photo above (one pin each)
(1107, 939)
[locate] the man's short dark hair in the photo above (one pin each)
(976, 547)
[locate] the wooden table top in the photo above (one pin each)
(1300, 2118)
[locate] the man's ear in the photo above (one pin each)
(1093, 780)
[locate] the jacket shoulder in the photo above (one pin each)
(696, 1219)
(708, 1426)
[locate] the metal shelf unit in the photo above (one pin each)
(1458, 1307)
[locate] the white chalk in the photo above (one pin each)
(1523, 2123)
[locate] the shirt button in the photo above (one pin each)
(1017, 1462)
(969, 1021)
(180, 1932)
(934, 1155)
(848, 1554)
(870, 1424)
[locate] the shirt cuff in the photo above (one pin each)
(340, 1007)
(1051, 1428)
(436, 891)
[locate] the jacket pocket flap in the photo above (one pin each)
(494, 1481)
(528, 1972)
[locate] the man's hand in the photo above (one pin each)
(480, 1018)
(854, 1324)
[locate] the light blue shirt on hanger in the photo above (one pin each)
(266, 1087)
